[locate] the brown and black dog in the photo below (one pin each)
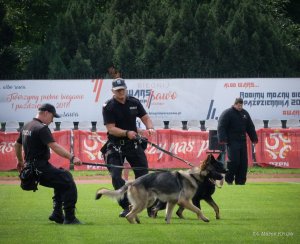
(205, 189)
(177, 187)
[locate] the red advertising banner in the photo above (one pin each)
(279, 148)
(8, 159)
(276, 147)
(87, 147)
(189, 145)
(63, 138)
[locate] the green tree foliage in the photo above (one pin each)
(8, 55)
(151, 38)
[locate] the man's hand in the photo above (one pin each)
(20, 166)
(151, 131)
(131, 134)
(76, 161)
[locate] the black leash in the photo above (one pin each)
(163, 150)
(122, 167)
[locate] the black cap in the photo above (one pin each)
(50, 108)
(238, 100)
(118, 84)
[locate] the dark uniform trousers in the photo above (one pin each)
(135, 156)
(65, 190)
(237, 162)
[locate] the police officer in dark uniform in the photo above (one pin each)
(36, 139)
(119, 116)
(234, 124)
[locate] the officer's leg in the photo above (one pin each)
(65, 189)
(136, 157)
(233, 161)
(57, 214)
(241, 174)
(116, 174)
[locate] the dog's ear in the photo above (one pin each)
(210, 157)
(219, 158)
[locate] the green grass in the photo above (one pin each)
(252, 170)
(256, 212)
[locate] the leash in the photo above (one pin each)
(122, 167)
(138, 137)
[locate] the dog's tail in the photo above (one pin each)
(117, 194)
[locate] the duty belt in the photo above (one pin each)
(121, 142)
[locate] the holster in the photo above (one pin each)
(29, 177)
(144, 144)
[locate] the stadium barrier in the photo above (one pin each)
(276, 147)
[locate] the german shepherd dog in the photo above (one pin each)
(204, 191)
(177, 187)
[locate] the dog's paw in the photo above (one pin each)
(205, 219)
(201, 216)
(180, 215)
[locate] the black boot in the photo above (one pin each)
(57, 214)
(70, 217)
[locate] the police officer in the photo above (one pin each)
(36, 139)
(234, 123)
(119, 116)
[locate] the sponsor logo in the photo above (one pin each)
(278, 146)
(211, 113)
(97, 88)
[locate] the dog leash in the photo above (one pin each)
(138, 137)
(122, 167)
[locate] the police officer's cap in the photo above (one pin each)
(50, 108)
(118, 84)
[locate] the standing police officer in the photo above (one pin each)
(119, 116)
(36, 139)
(233, 125)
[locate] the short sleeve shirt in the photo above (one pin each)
(35, 137)
(123, 115)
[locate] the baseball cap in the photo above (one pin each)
(50, 108)
(118, 84)
(238, 100)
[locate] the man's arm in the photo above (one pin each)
(18, 152)
(58, 149)
(222, 128)
(251, 130)
(148, 123)
(117, 132)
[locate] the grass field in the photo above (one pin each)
(251, 170)
(256, 212)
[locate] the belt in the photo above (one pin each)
(121, 142)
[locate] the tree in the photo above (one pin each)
(8, 55)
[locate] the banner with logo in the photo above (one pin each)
(87, 147)
(279, 148)
(8, 160)
(188, 145)
(164, 99)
